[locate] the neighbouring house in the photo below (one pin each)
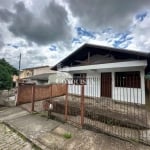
(115, 73)
(15, 79)
(38, 75)
(58, 77)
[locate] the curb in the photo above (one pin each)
(33, 142)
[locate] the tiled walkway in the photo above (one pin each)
(9, 140)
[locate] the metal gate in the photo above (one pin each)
(125, 117)
(74, 104)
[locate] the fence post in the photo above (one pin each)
(18, 94)
(66, 102)
(33, 96)
(82, 105)
(50, 98)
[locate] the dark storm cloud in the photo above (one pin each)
(7, 3)
(106, 13)
(50, 26)
(5, 15)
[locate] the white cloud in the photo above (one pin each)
(34, 25)
(141, 34)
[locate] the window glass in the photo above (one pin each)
(128, 79)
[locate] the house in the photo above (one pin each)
(115, 73)
(15, 80)
(58, 77)
(38, 75)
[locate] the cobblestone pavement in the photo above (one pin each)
(10, 140)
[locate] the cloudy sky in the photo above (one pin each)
(45, 32)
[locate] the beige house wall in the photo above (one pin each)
(26, 73)
(34, 71)
(43, 70)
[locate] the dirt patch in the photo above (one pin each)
(103, 115)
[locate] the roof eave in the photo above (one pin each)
(138, 53)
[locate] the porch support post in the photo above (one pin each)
(33, 97)
(66, 103)
(82, 105)
(142, 76)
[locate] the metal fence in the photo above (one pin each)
(118, 109)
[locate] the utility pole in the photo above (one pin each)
(19, 65)
(17, 86)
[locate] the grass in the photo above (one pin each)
(67, 135)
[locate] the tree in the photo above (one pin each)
(6, 73)
(12, 70)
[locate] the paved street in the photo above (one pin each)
(49, 134)
(9, 140)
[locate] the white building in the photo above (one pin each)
(118, 74)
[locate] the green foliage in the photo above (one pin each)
(6, 73)
(67, 135)
(12, 70)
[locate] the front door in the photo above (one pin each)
(106, 84)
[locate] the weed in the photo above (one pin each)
(67, 135)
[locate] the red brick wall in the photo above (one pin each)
(41, 92)
(58, 90)
(24, 93)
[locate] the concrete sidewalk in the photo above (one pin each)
(8, 113)
(49, 134)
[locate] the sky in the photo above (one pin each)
(46, 31)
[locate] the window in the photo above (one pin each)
(128, 79)
(79, 78)
(28, 74)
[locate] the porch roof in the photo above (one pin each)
(126, 64)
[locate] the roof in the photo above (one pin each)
(81, 53)
(36, 67)
(43, 76)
